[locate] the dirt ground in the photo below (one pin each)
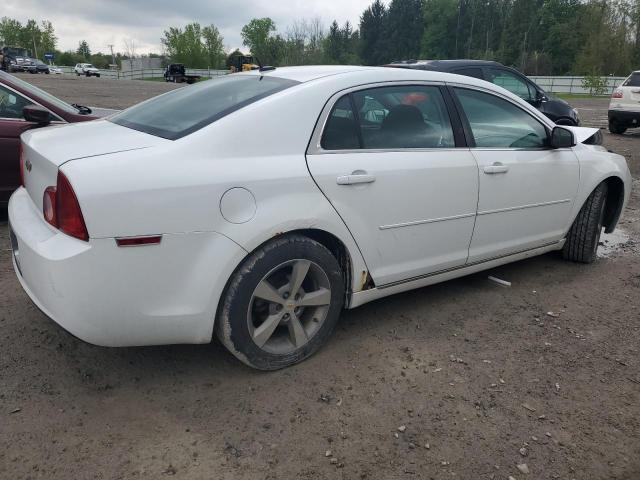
(465, 379)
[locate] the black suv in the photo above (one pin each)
(556, 109)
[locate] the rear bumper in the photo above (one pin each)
(626, 117)
(112, 296)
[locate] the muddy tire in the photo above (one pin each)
(282, 304)
(584, 235)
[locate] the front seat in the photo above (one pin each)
(404, 127)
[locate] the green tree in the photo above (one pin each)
(48, 39)
(405, 28)
(84, 50)
(194, 46)
(373, 43)
(213, 46)
(440, 21)
(342, 44)
(10, 32)
(258, 36)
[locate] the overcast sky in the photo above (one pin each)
(112, 21)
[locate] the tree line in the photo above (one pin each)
(538, 37)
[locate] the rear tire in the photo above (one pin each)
(282, 303)
(616, 128)
(584, 235)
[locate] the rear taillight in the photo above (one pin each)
(618, 94)
(61, 209)
(21, 164)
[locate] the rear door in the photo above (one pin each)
(527, 189)
(391, 161)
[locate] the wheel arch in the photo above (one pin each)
(565, 121)
(334, 244)
(614, 203)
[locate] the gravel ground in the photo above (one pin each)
(465, 379)
(98, 92)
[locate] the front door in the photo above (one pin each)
(389, 164)
(12, 125)
(526, 188)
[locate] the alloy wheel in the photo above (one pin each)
(288, 306)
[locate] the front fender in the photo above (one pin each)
(596, 166)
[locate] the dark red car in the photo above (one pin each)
(41, 109)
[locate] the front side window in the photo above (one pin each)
(497, 123)
(41, 95)
(403, 117)
(11, 104)
(511, 82)
(185, 110)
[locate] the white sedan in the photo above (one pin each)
(259, 205)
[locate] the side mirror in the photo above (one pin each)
(541, 97)
(36, 114)
(562, 138)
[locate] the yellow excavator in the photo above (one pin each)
(243, 63)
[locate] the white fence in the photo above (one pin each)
(149, 73)
(574, 85)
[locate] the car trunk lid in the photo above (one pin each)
(45, 150)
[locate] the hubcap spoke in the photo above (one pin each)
(265, 291)
(264, 331)
(318, 298)
(298, 274)
(297, 333)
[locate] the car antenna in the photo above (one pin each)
(263, 68)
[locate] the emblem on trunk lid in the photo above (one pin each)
(28, 165)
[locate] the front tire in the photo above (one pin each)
(282, 303)
(584, 235)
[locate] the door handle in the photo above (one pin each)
(355, 178)
(495, 168)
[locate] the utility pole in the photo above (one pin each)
(113, 57)
(35, 50)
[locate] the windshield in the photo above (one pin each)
(188, 109)
(35, 91)
(16, 52)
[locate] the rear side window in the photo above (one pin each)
(633, 80)
(188, 109)
(403, 117)
(469, 72)
(341, 131)
(497, 123)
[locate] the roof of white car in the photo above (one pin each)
(309, 73)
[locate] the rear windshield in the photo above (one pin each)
(633, 80)
(185, 110)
